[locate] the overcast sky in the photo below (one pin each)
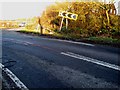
(14, 10)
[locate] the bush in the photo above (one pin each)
(31, 27)
(92, 20)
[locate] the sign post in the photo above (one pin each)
(66, 23)
(67, 15)
(61, 23)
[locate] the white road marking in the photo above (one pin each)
(18, 41)
(8, 39)
(70, 41)
(81, 43)
(13, 78)
(95, 61)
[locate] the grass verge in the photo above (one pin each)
(94, 40)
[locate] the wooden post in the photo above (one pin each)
(61, 23)
(39, 22)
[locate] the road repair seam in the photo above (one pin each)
(95, 61)
(14, 78)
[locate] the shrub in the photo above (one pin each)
(92, 19)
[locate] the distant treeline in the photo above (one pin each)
(8, 23)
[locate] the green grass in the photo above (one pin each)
(104, 39)
(29, 31)
(98, 40)
(73, 37)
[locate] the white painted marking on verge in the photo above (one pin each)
(13, 78)
(95, 61)
(70, 41)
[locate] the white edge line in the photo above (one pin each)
(14, 78)
(54, 40)
(108, 65)
(70, 41)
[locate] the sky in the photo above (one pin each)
(25, 8)
(14, 10)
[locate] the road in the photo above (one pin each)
(41, 62)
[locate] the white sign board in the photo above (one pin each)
(68, 15)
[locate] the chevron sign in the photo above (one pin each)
(68, 15)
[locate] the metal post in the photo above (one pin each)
(66, 23)
(61, 23)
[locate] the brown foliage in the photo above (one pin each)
(92, 17)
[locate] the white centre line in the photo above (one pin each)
(13, 78)
(95, 61)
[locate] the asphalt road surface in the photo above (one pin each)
(41, 62)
